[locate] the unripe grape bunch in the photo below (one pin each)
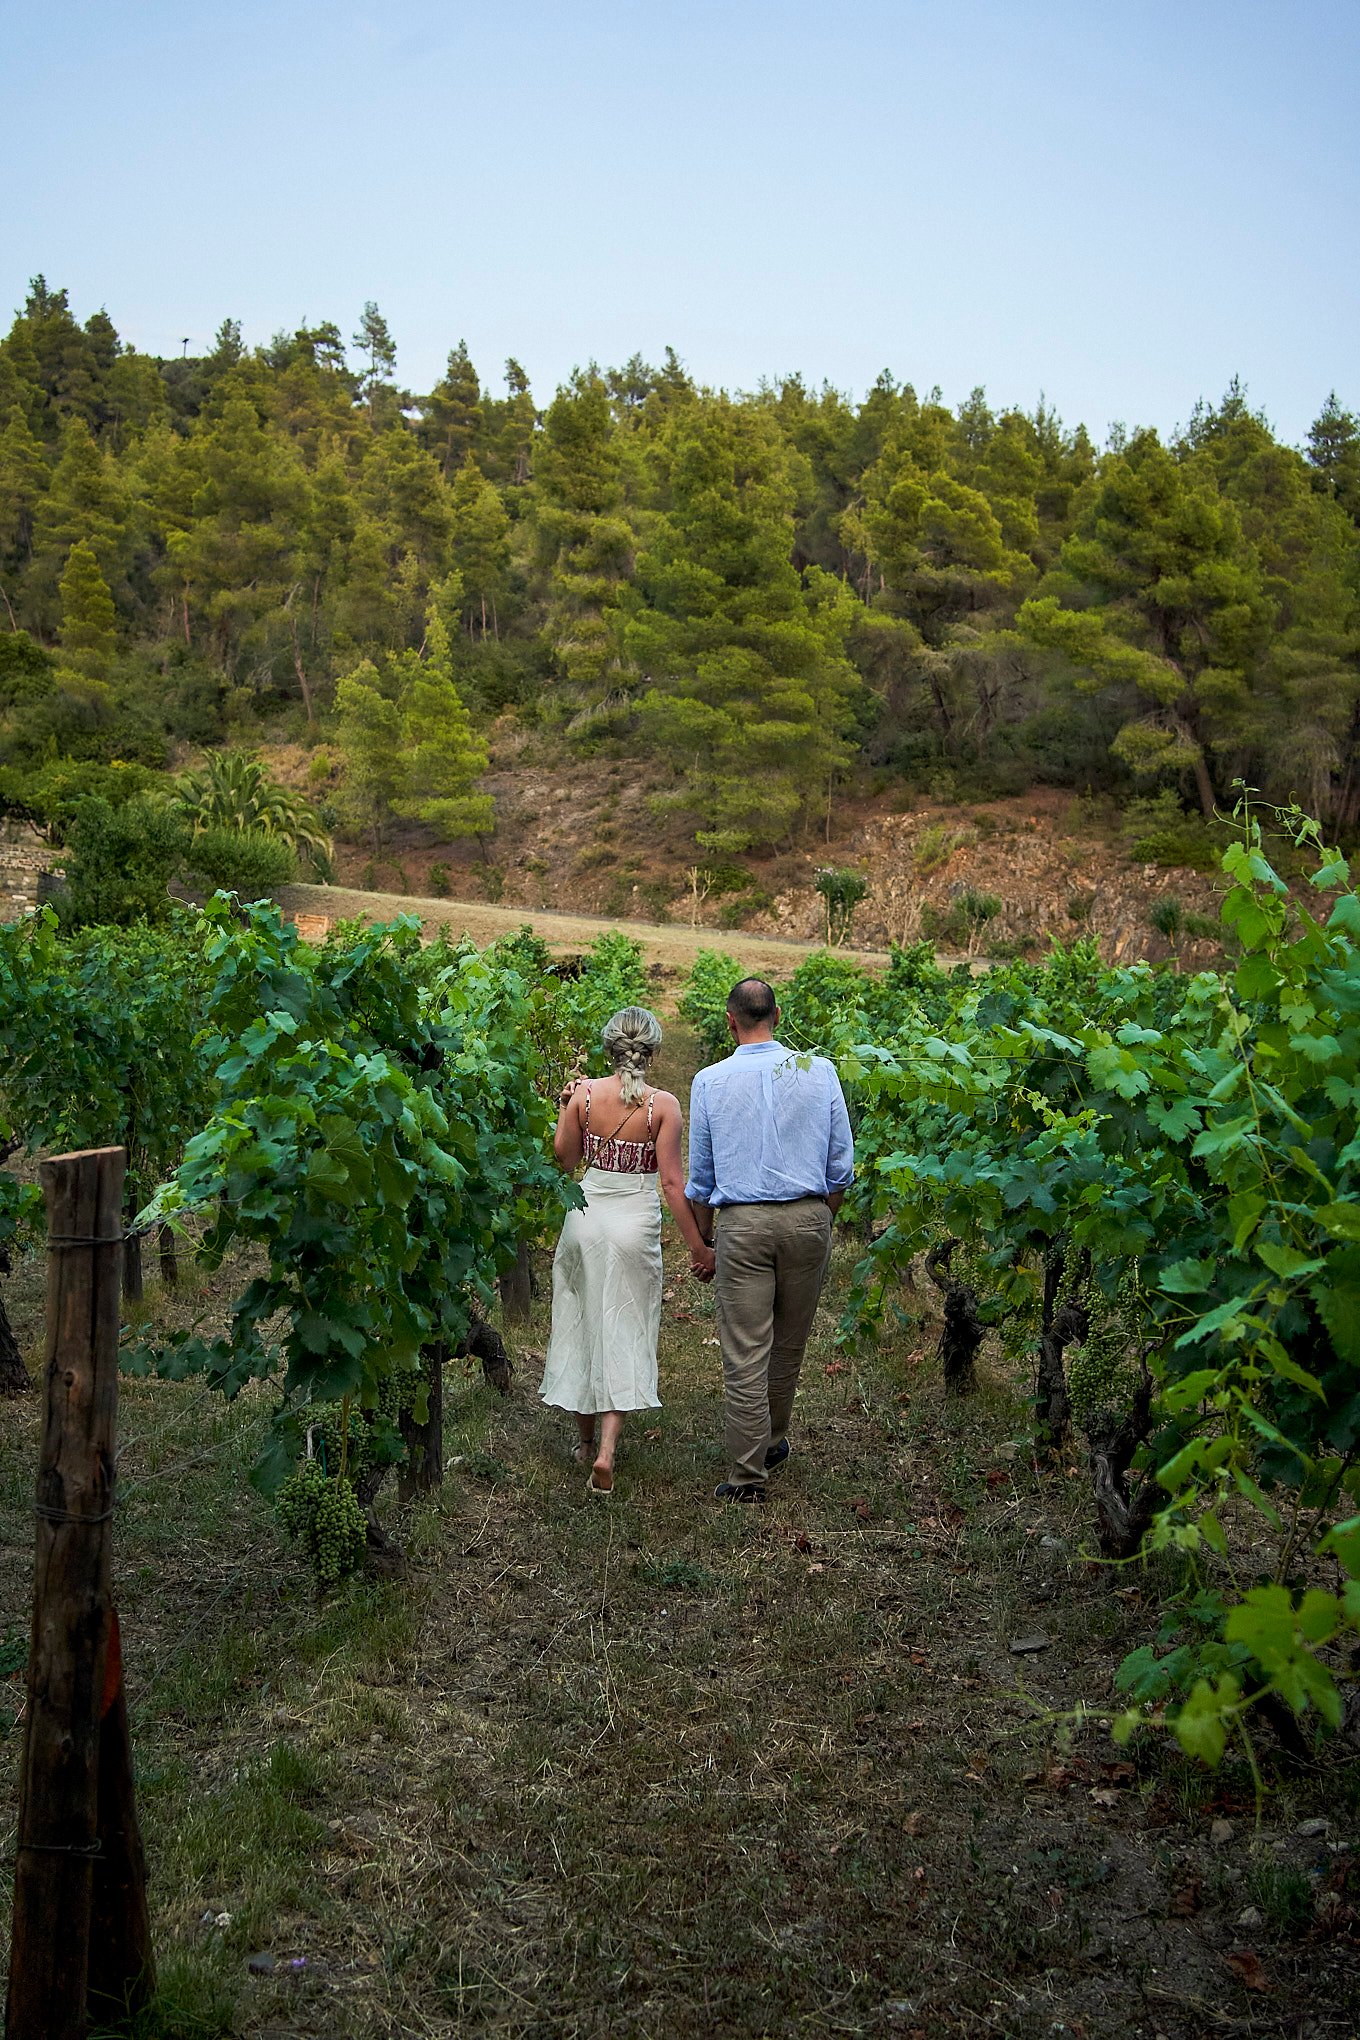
(322, 1514)
(1102, 1372)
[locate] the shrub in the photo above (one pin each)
(703, 1002)
(935, 846)
(720, 879)
(841, 891)
(1158, 830)
(233, 791)
(735, 913)
(244, 861)
(439, 881)
(975, 909)
(120, 864)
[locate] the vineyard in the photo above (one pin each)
(1066, 1575)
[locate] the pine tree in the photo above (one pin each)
(86, 499)
(479, 543)
(1180, 615)
(519, 422)
(444, 758)
(1334, 454)
(88, 621)
(369, 739)
(451, 416)
(67, 361)
(582, 541)
(24, 478)
(751, 680)
(375, 342)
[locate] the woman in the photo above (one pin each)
(607, 1270)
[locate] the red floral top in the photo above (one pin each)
(620, 1157)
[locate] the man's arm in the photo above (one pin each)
(700, 1186)
(840, 1147)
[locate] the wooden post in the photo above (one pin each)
(59, 1825)
(122, 1970)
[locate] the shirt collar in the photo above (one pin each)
(758, 1047)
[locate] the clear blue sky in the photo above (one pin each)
(1122, 203)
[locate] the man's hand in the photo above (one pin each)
(702, 1262)
(568, 1091)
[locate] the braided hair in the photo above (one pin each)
(631, 1038)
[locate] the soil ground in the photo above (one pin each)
(595, 836)
(649, 1767)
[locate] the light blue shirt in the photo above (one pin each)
(768, 1126)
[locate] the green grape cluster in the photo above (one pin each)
(1102, 1371)
(323, 1516)
(395, 1393)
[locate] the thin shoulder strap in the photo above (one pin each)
(587, 1108)
(650, 1102)
(622, 1123)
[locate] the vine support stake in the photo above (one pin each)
(80, 1914)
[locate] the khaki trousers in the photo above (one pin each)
(772, 1261)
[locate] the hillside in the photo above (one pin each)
(583, 838)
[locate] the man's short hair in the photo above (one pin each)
(752, 1003)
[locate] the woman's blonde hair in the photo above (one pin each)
(631, 1038)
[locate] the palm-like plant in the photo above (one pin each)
(235, 791)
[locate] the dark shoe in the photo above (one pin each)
(777, 1454)
(739, 1491)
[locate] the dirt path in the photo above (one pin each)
(665, 943)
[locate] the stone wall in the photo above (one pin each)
(24, 857)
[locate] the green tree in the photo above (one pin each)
(479, 542)
(751, 686)
(24, 478)
(1334, 454)
(67, 364)
(511, 428)
(238, 554)
(87, 499)
(583, 543)
(369, 738)
(442, 754)
(373, 340)
(1173, 610)
(120, 863)
(88, 634)
(451, 416)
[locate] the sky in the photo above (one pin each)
(1120, 204)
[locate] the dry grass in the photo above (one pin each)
(668, 944)
(654, 1768)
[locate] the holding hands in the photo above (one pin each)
(702, 1262)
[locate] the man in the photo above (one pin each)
(771, 1155)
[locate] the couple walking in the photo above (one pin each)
(769, 1162)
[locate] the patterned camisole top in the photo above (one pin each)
(620, 1157)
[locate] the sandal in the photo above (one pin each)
(593, 1486)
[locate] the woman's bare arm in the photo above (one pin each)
(666, 1126)
(567, 1143)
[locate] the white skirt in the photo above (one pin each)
(606, 1312)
